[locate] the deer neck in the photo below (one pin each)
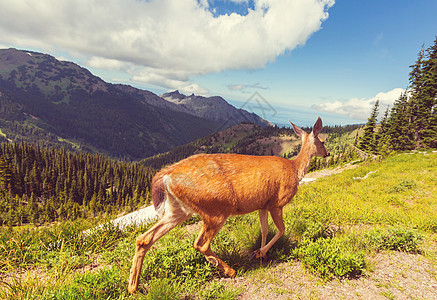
(303, 161)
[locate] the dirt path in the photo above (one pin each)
(329, 172)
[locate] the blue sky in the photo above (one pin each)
(304, 58)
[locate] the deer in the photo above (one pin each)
(216, 186)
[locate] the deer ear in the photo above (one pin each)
(297, 130)
(317, 126)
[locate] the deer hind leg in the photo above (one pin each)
(174, 215)
(276, 214)
(203, 245)
(277, 218)
(264, 220)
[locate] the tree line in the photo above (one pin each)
(412, 121)
(41, 185)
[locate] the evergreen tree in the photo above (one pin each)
(382, 136)
(400, 132)
(423, 84)
(368, 142)
(428, 103)
(5, 175)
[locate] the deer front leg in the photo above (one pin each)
(277, 218)
(264, 220)
(276, 214)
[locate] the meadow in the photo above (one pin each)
(333, 227)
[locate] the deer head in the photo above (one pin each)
(311, 143)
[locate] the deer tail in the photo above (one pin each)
(158, 192)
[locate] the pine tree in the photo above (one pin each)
(423, 84)
(428, 103)
(381, 135)
(368, 142)
(400, 132)
(5, 175)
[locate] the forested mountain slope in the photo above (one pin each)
(51, 102)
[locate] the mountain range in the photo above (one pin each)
(58, 103)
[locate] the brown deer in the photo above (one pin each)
(216, 186)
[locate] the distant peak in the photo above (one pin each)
(174, 95)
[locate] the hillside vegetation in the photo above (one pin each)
(335, 227)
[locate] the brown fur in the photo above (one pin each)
(216, 186)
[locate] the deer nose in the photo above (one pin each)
(327, 154)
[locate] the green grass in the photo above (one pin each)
(332, 226)
(403, 190)
(2, 133)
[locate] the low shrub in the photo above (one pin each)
(394, 238)
(175, 258)
(330, 258)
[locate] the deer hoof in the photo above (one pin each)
(257, 254)
(231, 273)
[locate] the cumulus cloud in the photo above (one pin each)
(108, 63)
(163, 37)
(359, 109)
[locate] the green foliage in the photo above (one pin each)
(176, 258)
(368, 141)
(401, 191)
(394, 238)
(330, 257)
(404, 185)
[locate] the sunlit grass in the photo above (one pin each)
(402, 190)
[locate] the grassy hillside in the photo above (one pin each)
(335, 228)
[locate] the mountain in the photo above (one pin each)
(214, 108)
(51, 102)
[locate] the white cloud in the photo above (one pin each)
(165, 37)
(359, 109)
(107, 63)
(245, 87)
